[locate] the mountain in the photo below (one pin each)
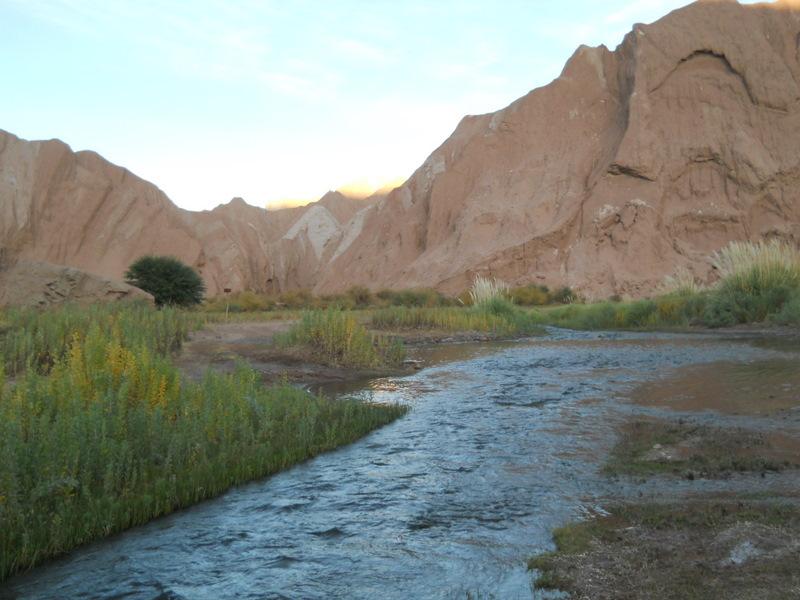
(77, 209)
(630, 164)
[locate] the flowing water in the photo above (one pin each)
(502, 444)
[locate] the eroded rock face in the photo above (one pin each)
(629, 165)
(28, 283)
(77, 209)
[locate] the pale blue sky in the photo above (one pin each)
(269, 100)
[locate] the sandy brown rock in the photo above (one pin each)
(632, 163)
(28, 283)
(77, 209)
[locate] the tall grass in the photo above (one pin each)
(36, 339)
(110, 436)
(485, 290)
(665, 312)
(757, 280)
(681, 283)
(337, 338)
(497, 317)
(754, 267)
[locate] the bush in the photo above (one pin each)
(413, 297)
(170, 281)
(530, 295)
(732, 306)
(790, 313)
(563, 295)
(360, 296)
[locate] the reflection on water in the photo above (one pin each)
(501, 446)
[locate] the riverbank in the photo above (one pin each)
(100, 431)
(504, 442)
(719, 421)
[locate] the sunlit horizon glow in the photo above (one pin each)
(279, 102)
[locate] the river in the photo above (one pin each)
(502, 444)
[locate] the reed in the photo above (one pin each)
(757, 281)
(485, 290)
(756, 267)
(681, 283)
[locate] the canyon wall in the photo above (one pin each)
(632, 163)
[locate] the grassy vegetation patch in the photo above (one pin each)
(702, 549)
(759, 282)
(105, 434)
(337, 338)
(34, 339)
(650, 447)
(499, 318)
(665, 312)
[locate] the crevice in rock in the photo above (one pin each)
(618, 169)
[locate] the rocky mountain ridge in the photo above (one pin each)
(632, 163)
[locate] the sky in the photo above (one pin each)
(280, 101)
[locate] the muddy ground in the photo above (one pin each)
(711, 422)
(221, 346)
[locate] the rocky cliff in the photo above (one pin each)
(632, 163)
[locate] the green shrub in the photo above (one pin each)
(564, 295)
(530, 295)
(360, 296)
(790, 313)
(731, 305)
(170, 281)
(413, 297)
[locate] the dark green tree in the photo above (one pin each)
(169, 280)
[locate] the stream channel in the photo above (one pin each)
(503, 443)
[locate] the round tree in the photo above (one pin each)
(169, 280)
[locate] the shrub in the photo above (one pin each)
(790, 313)
(296, 299)
(413, 297)
(170, 281)
(530, 295)
(563, 295)
(360, 296)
